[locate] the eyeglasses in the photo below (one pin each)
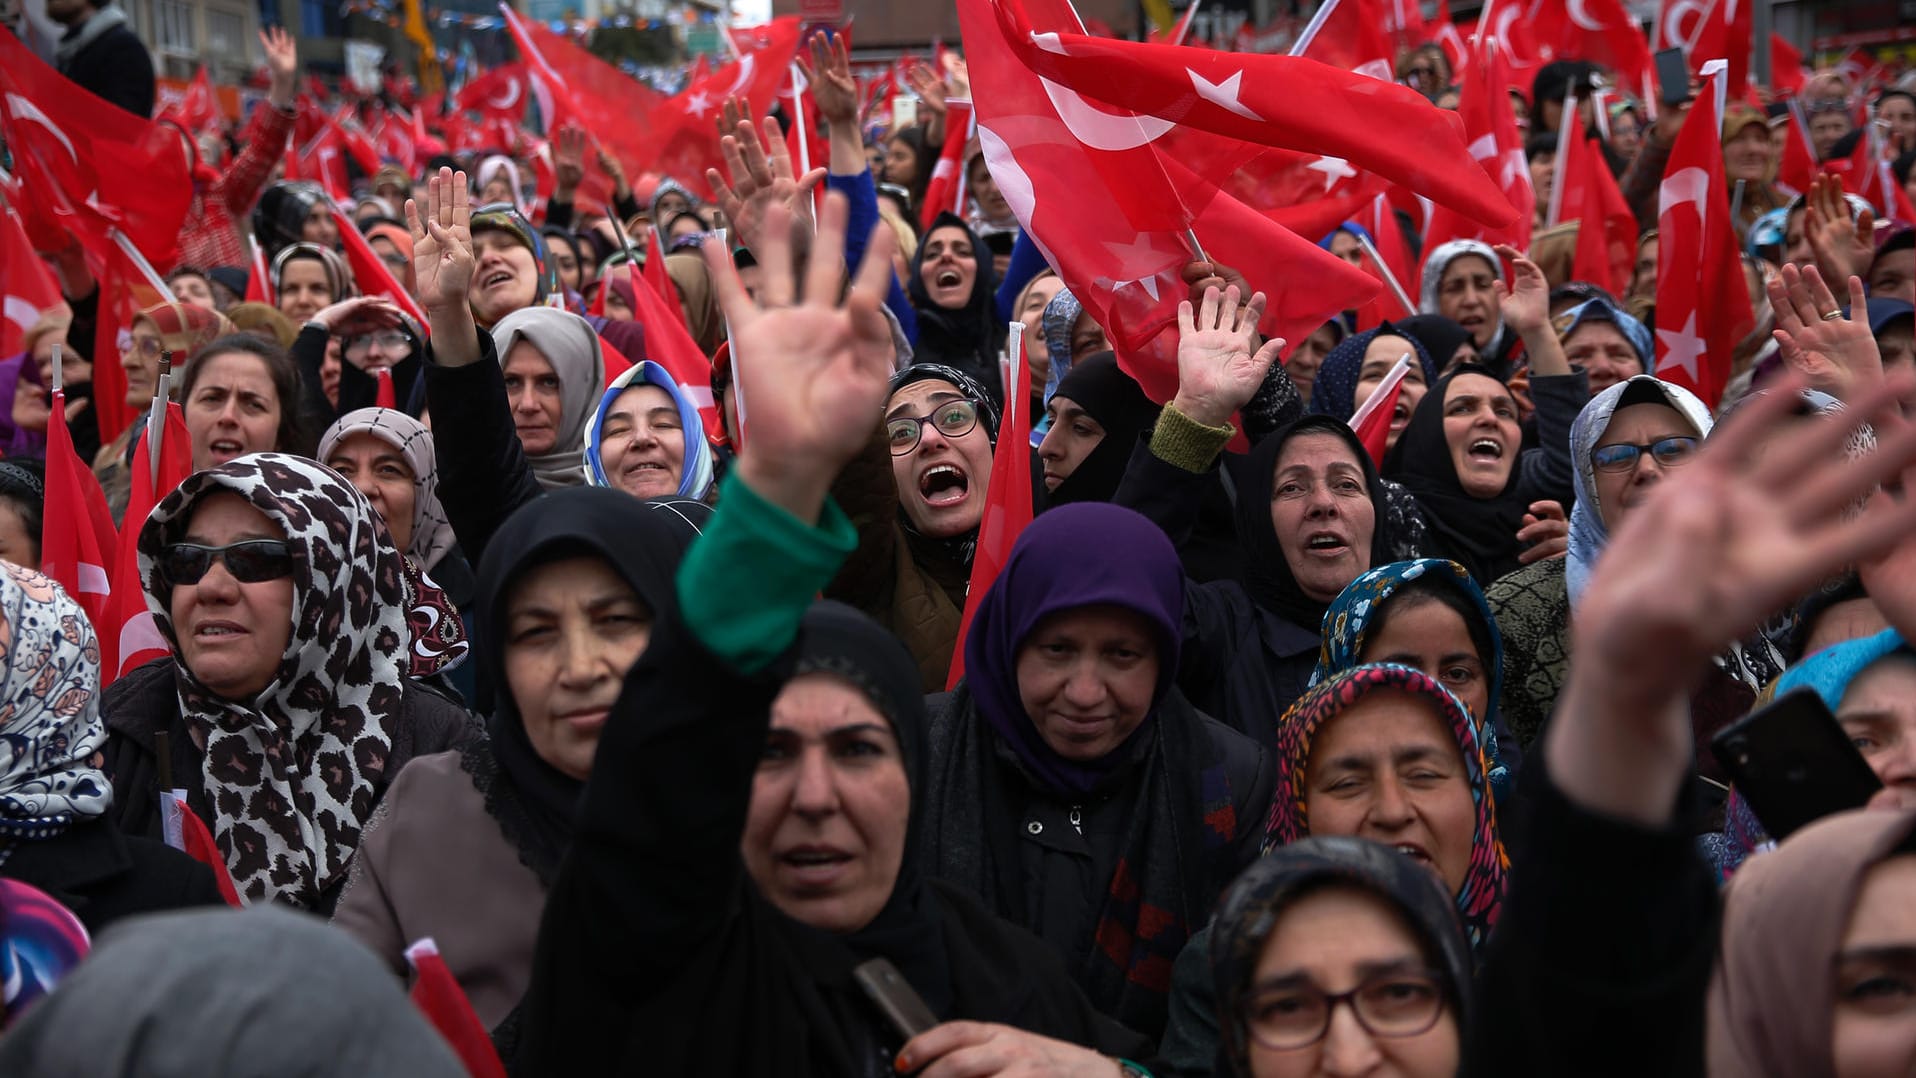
(954, 419)
(251, 561)
(390, 340)
(1394, 1004)
(150, 347)
(1669, 452)
(395, 260)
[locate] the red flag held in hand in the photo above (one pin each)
(1007, 502)
(945, 192)
(1607, 235)
(1371, 423)
(661, 278)
(669, 344)
(27, 287)
(438, 996)
(135, 635)
(1703, 305)
(197, 842)
(77, 543)
(375, 278)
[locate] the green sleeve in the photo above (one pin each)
(748, 580)
(1184, 442)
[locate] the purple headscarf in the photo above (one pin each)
(1085, 554)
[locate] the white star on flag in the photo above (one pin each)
(1685, 348)
(1223, 94)
(1333, 168)
(698, 103)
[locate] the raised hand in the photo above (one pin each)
(982, 1048)
(1525, 302)
(1546, 531)
(568, 161)
(1755, 520)
(929, 85)
(830, 75)
(1220, 365)
(442, 257)
(762, 177)
(1843, 247)
(357, 315)
(812, 370)
(1835, 354)
(282, 63)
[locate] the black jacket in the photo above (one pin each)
(117, 67)
(658, 955)
(103, 875)
(145, 702)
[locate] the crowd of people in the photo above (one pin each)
(664, 705)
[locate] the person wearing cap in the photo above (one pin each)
(512, 271)
(1750, 159)
(1893, 323)
(393, 184)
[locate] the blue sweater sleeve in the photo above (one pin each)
(863, 196)
(1026, 262)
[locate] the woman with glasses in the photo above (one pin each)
(369, 334)
(287, 705)
(179, 328)
(1340, 956)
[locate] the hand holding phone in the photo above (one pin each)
(1673, 76)
(1794, 764)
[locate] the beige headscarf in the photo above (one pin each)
(569, 344)
(1784, 917)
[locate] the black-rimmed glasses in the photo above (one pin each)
(954, 419)
(1394, 1004)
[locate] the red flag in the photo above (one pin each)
(668, 344)
(1007, 503)
(89, 167)
(946, 191)
(323, 160)
(502, 91)
(384, 397)
(1264, 100)
(124, 292)
(394, 140)
(1128, 278)
(1798, 168)
(661, 280)
(1308, 193)
(804, 141)
(354, 140)
(1723, 31)
(1371, 423)
(1500, 24)
(27, 287)
(198, 109)
(1787, 73)
(1491, 127)
(373, 277)
(1600, 31)
(259, 279)
(438, 996)
(1607, 234)
(197, 842)
(77, 544)
(1703, 306)
(1350, 36)
(136, 638)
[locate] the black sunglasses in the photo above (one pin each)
(251, 561)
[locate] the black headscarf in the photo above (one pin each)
(280, 218)
(1439, 335)
(1478, 533)
(1334, 392)
(970, 337)
(1250, 910)
(1267, 575)
(957, 548)
(643, 542)
(1112, 397)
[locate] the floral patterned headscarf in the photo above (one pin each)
(50, 724)
(1481, 896)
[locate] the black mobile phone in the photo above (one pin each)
(1794, 764)
(1673, 76)
(894, 997)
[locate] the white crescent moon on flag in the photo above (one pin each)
(1101, 130)
(1673, 18)
(1504, 19)
(1581, 17)
(512, 98)
(24, 109)
(744, 75)
(1690, 185)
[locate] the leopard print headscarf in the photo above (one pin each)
(292, 774)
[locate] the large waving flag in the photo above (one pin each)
(1007, 500)
(27, 287)
(77, 544)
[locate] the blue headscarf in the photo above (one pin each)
(1602, 310)
(1335, 392)
(1831, 670)
(1352, 616)
(695, 472)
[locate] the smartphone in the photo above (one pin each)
(1794, 764)
(894, 997)
(904, 112)
(1673, 76)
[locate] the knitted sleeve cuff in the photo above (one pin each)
(1185, 443)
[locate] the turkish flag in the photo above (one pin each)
(1039, 138)
(1723, 31)
(1600, 31)
(124, 292)
(1607, 232)
(1798, 167)
(1351, 36)
(27, 287)
(373, 277)
(1371, 423)
(503, 91)
(804, 141)
(1007, 503)
(946, 191)
(669, 344)
(1703, 306)
(197, 110)
(77, 543)
(259, 281)
(1308, 193)
(438, 996)
(136, 637)
(324, 162)
(1787, 73)
(197, 842)
(1280, 101)
(661, 280)
(89, 168)
(1501, 24)
(1491, 127)
(394, 139)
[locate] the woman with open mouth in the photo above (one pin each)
(1460, 283)
(1386, 754)
(1355, 368)
(240, 396)
(952, 290)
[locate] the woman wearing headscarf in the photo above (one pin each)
(1328, 915)
(952, 291)
(23, 501)
(1075, 785)
(1355, 368)
(1445, 341)
(307, 278)
(180, 328)
(1628, 439)
(1342, 771)
(511, 271)
(1605, 342)
(389, 457)
(647, 438)
(286, 705)
(294, 212)
(1098, 413)
(54, 799)
(495, 818)
(223, 995)
(794, 736)
(372, 335)
(1070, 335)
(1460, 282)
(498, 180)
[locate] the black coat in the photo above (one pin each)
(103, 875)
(145, 702)
(657, 954)
(117, 67)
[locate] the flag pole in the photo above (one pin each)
(1184, 28)
(1318, 19)
(1377, 397)
(156, 419)
(146, 268)
(57, 365)
(1390, 278)
(1565, 125)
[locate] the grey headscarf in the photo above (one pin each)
(569, 344)
(1059, 318)
(1439, 261)
(227, 993)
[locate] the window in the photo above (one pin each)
(173, 27)
(225, 35)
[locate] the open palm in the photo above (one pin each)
(1836, 354)
(1220, 365)
(442, 258)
